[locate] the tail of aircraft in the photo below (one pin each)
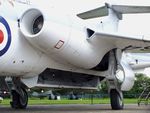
(114, 13)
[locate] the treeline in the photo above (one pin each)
(141, 82)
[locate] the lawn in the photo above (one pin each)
(37, 101)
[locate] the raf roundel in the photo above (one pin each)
(5, 36)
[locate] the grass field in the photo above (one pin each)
(66, 101)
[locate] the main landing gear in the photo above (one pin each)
(116, 100)
(19, 95)
(116, 96)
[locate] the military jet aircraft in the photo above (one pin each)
(49, 48)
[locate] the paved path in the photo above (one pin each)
(77, 109)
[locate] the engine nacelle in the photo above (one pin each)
(41, 33)
(31, 22)
(61, 38)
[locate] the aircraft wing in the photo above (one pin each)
(98, 12)
(119, 9)
(121, 41)
(139, 62)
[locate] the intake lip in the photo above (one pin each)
(31, 22)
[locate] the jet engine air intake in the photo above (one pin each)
(37, 24)
(42, 32)
(32, 22)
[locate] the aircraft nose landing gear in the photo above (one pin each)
(19, 96)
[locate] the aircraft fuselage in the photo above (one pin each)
(60, 44)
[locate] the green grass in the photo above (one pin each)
(66, 101)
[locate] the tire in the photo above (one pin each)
(116, 100)
(18, 101)
(23, 102)
(15, 99)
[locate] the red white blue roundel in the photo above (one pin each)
(5, 36)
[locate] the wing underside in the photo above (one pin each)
(124, 42)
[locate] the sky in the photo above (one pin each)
(139, 24)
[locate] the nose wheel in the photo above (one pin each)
(19, 99)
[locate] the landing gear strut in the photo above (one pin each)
(19, 96)
(116, 96)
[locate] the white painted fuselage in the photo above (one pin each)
(61, 44)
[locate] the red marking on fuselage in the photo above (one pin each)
(1, 37)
